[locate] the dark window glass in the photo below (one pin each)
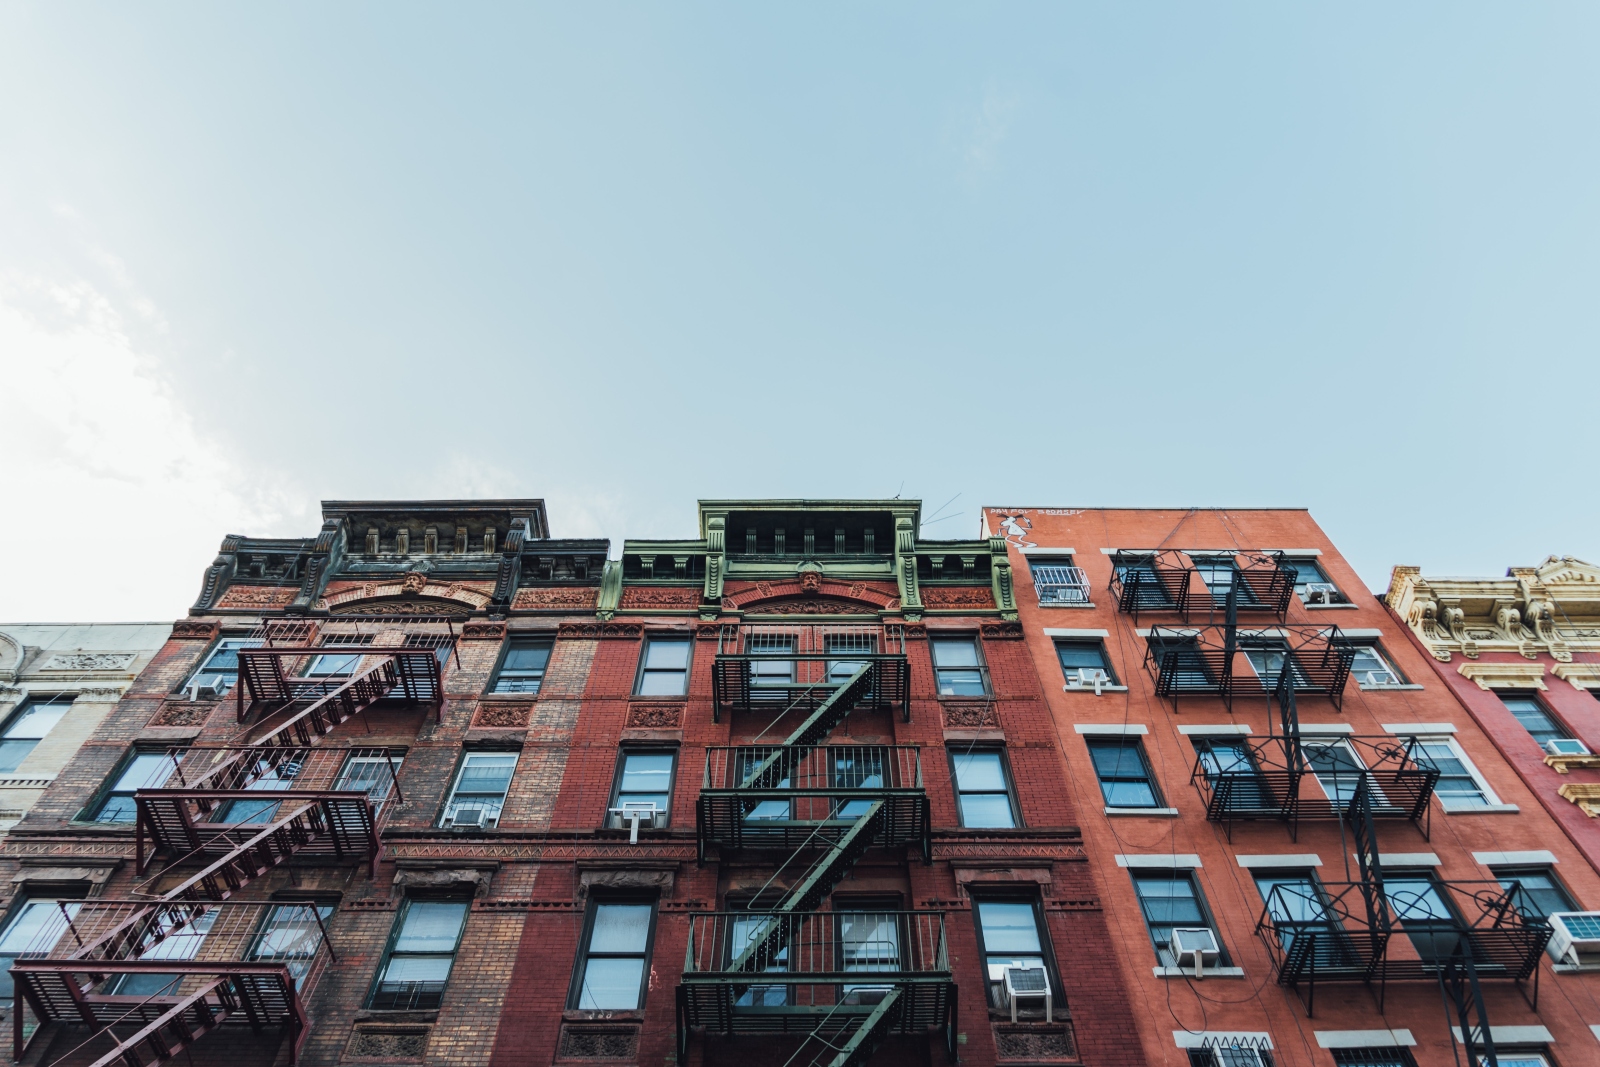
(1425, 915)
(868, 941)
(1457, 788)
(146, 770)
(1220, 574)
(36, 925)
(1231, 1056)
(1298, 906)
(1373, 1057)
(1538, 893)
(1169, 899)
(1081, 659)
(956, 667)
(982, 792)
(522, 671)
(1310, 578)
(221, 668)
(615, 957)
(292, 935)
(665, 670)
(1535, 719)
(414, 972)
(27, 728)
(1010, 935)
(774, 670)
(1227, 762)
(1124, 777)
(744, 931)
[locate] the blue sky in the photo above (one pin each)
(1340, 256)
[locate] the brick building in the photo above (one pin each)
(1278, 791)
(433, 787)
(1522, 653)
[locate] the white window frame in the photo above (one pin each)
(483, 800)
(1491, 799)
(1376, 649)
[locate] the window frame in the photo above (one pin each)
(1368, 1056)
(317, 905)
(623, 752)
(1125, 741)
(1297, 562)
(514, 642)
(1005, 774)
(644, 658)
(1210, 1056)
(1207, 917)
(1096, 643)
(460, 769)
(1491, 799)
(581, 958)
(238, 642)
(97, 804)
(1059, 559)
(1375, 646)
(980, 895)
(1545, 709)
(394, 937)
(871, 904)
(20, 905)
(981, 666)
(14, 719)
(1511, 872)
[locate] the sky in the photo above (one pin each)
(622, 257)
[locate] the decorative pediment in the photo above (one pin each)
(810, 594)
(414, 594)
(1567, 570)
(1504, 675)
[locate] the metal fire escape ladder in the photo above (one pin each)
(859, 1042)
(1294, 756)
(1359, 817)
(1458, 980)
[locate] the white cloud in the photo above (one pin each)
(113, 501)
(985, 127)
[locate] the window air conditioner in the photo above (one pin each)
(1026, 983)
(1199, 942)
(1322, 593)
(634, 814)
(1575, 936)
(208, 690)
(1084, 677)
(1566, 746)
(1381, 678)
(470, 818)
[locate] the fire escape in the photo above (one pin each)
(149, 977)
(840, 981)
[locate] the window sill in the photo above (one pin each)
(1142, 811)
(1328, 607)
(1381, 688)
(1574, 968)
(1090, 689)
(1481, 809)
(1211, 972)
(1055, 604)
(397, 1015)
(513, 698)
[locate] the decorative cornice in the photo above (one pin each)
(1578, 675)
(1504, 675)
(1584, 794)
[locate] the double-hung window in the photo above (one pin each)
(1124, 775)
(480, 789)
(1299, 907)
(869, 940)
(1538, 894)
(27, 728)
(522, 670)
(664, 667)
(1010, 935)
(644, 780)
(983, 792)
(421, 951)
(1372, 669)
(1170, 899)
(746, 930)
(1057, 581)
(1540, 724)
(1419, 902)
(770, 663)
(220, 670)
(370, 773)
(143, 770)
(615, 956)
(36, 925)
(957, 668)
(1221, 574)
(292, 935)
(1230, 766)
(1460, 786)
(1311, 583)
(1083, 663)
(848, 642)
(339, 664)
(1270, 658)
(270, 773)
(176, 936)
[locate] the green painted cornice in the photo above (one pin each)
(610, 589)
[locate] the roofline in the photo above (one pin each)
(1089, 507)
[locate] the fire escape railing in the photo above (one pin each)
(1227, 661)
(1168, 582)
(778, 668)
(815, 809)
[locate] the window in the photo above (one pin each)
(750, 761)
(421, 950)
(642, 778)
(35, 926)
(1057, 581)
(480, 790)
(1010, 935)
(869, 940)
(1425, 915)
(1124, 774)
(176, 936)
(775, 670)
(27, 728)
(1083, 661)
(616, 949)
(522, 670)
(1229, 764)
(1370, 668)
(1517, 1059)
(1138, 574)
(1538, 893)
(856, 767)
(339, 664)
(1267, 659)
(982, 792)
(292, 935)
(1229, 1056)
(1535, 719)
(1171, 899)
(145, 770)
(1388, 1056)
(221, 668)
(664, 668)
(744, 931)
(373, 775)
(1339, 771)
(1311, 583)
(1460, 785)
(1298, 905)
(861, 643)
(956, 667)
(1221, 573)
(269, 774)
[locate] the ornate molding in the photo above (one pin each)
(854, 598)
(189, 630)
(483, 631)
(655, 716)
(1578, 675)
(257, 597)
(937, 596)
(1584, 794)
(1001, 631)
(668, 597)
(970, 716)
(555, 599)
(415, 585)
(571, 630)
(1504, 675)
(89, 661)
(183, 713)
(497, 716)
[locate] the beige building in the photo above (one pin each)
(57, 682)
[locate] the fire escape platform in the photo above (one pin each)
(725, 819)
(325, 827)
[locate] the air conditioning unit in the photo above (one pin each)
(634, 814)
(1322, 593)
(1566, 746)
(1381, 678)
(470, 819)
(1026, 983)
(1575, 936)
(1198, 942)
(208, 690)
(1085, 677)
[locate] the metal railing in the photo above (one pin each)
(1057, 584)
(832, 770)
(1170, 581)
(211, 768)
(1212, 661)
(818, 949)
(784, 667)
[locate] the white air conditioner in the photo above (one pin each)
(1322, 593)
(470, 819)
(1381, 678)
(1085, 677)
(1196, 942)
(207, 690)
(1575, 936)
(636, 813)
(1026, 983)
(1566, 746)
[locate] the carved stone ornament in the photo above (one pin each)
(190, 630)
(811, 582)
(257, 596)
(655, 716)
(388, 1042)
(551, 599)
(970, 716)
(89, 661)
(955, 597)
(414, 582)
(863, 598)
(483, 631)
(818, 606)
(611, 630)
(587, 1042)
(503, 716)
(1001, 631)
(637, 596)
(1578, 675)
(1491, 676)
(397, 598)
(414, 878)
(1584, 794)
(1044, 1041)
(182, 713)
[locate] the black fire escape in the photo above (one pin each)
(840, 981)
(147, 978)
